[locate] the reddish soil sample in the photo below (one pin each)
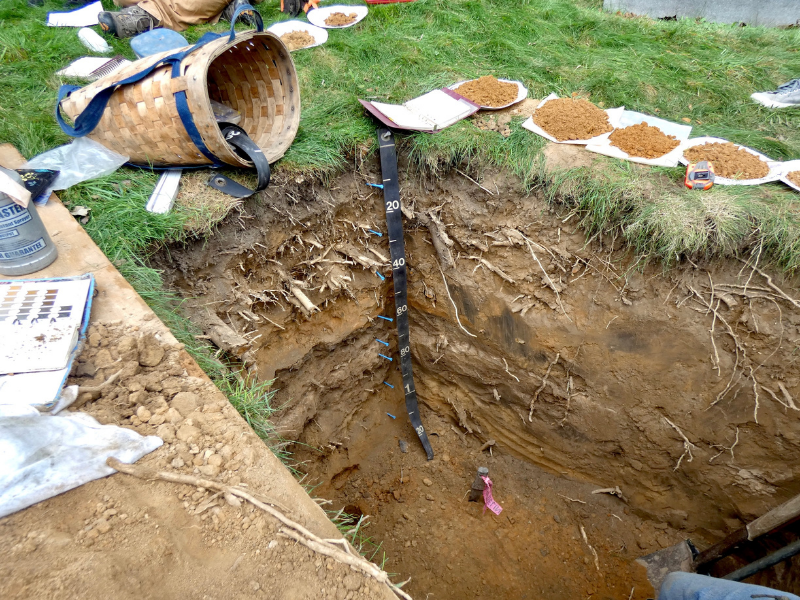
(643, 140)
(297, 39)
(729, 160)
(794, 177)
(571, 119)
(339, 19)
(489, 91)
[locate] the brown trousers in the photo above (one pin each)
(180, 14)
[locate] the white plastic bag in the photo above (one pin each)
(82, 160)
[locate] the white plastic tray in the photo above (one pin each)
(318, 15)
(522, 93)
(628, 118)
(283, 27)
(614, 115)
(774, 166)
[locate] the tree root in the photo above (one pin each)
(541, 387)
(687, 445)
(291, 530)
(455, 308)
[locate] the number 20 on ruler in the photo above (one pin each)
(392, 205)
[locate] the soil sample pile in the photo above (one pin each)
(295, 40)
(489, 91)
(571, 119)
(794, 177)
(644, 141)
(338, 19)
(729, 160)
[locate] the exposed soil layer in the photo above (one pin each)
(644, 141)
(729, 160)
(573, 361)
(295, 40)
(339, 19)
(571, 119)
(122, 537)
(489, 91)
(794, 177)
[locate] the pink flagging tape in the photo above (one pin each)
(488, 499)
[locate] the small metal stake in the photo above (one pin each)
(476, 492)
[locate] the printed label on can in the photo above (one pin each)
(13, 215)
(24, 251)
(4, 235)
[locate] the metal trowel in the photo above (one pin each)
(683, 556)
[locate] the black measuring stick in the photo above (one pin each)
(394, 224)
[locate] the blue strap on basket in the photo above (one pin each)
(86, 122)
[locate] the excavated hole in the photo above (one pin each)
(631, 357)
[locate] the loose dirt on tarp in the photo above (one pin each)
(295, 40)
(338, 19)
(489, 91)
(794, 177)
(729, 160)
(571, 119)
(643, 140)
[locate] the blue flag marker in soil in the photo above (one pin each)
(394, 223)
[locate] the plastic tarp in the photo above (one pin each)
(690, 586)
(46, 455)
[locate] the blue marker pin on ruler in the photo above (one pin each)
(382, 342)
(385, 318)
(389, 358)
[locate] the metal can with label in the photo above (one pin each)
(25, 246)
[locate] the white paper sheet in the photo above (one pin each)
(614, 115)
(401, 115)
(439, 108)
(628, 118)
(39, 389)
(83, 67)
(82, 17)
(774, 166)
(787, 167)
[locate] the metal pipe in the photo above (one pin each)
(764, 563)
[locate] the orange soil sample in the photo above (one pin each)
(338, 19)
(794, 177)
(297, 39)
(643, 140)
(571, 119)
(729, 160)
(489, 91)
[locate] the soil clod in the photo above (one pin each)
(338, 19)
(295, 40)
(489, 91)
(644, 141)
(729, 160)
(571, 119)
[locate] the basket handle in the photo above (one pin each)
(239, 10)
(238, 138)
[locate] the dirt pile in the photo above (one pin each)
(729, 160)
(295, 40)
(489, 91)
(644, 141)
(571, 119)
(794, 177)
(339, 19)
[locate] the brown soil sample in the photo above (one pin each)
(297, 39)
(794, 177)
(644, 141)
(571, 119)
(489, 91)
(729, 160)
(339, 19)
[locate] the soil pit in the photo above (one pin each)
(295, 40)
(489, 91)
(339, 19)
(571, 119)
(573, 403)
(794, 177)
(729, 160)
(644, 141)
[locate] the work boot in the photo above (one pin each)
(128, 22)
(227, 13)
(785, 96)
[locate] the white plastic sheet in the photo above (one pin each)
(614, 115)
(774, 166)
(46, 455)
(82, 160)
(628, 118)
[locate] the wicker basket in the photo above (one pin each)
(253, 74)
